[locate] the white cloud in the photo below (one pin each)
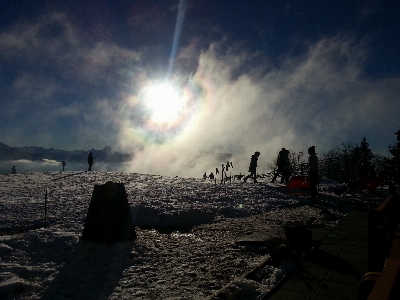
(51, 161)
(319, 99)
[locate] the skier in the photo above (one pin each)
(253, 167)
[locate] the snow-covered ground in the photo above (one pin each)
(186, 234)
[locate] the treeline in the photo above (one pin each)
(346, 162)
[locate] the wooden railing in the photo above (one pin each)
(383, 278)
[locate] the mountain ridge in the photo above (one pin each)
(35, 153)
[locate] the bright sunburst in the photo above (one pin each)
(164, 102)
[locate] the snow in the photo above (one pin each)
(186, 234)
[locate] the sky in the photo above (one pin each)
(175, 81)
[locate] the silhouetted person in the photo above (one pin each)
(313, 172)
(205, 176)
(13, 170)
(253, 167)
(211, 176)
(90, 161)
(283, 166)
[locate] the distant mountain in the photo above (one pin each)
(39, 154)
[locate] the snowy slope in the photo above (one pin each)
(186, 232)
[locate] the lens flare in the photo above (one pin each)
(164, 103)
(161, 112)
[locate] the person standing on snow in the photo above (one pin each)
(253, 167)
(313, 172)
(283, 163)
(90, 161)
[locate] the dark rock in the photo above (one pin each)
(109, 217)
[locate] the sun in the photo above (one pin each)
(164, 102)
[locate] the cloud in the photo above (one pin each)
(53, 46)
(321, 98)
(38, 89)
(72, 109)
(56, 72)
(51, 161)
(67, 89)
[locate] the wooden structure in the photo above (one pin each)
(383, 278)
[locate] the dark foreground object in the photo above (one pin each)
(382, 281)
(334, 269)
(109, 217)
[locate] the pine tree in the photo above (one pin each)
(390, 162)
(362, 159)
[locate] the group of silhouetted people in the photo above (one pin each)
(283, 170)
(283, 163)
